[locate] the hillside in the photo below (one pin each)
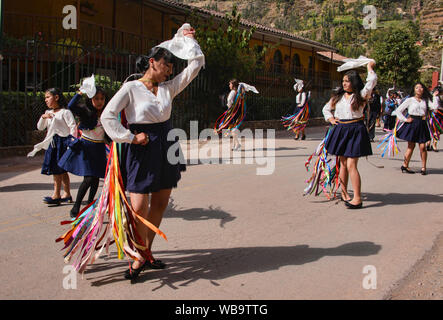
(330, 21)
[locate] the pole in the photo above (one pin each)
(441, 68)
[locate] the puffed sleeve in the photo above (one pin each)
(109, 118)
(327, 113)
(70, 121)
(371, 82)
(435, 103)
(401, 108)
(42, 124)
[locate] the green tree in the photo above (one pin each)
(227, 49)
(397, 57)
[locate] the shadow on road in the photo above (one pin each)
(187, 266)
(198, 214)
(385, 199)
(34, 186)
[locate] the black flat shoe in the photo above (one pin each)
(354, 206)
(303, 137)
(52, 201)
(407, 170)
(156, 264)
(67, 199)
(132, 274)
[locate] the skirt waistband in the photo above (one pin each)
(348, 121)
(91, 140)
(144, 127)
(418, 117)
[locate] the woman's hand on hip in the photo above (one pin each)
(141, 138)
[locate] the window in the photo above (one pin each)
(278, 62)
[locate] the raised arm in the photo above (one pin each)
(371, 81)
(78, 110)
(435, 102)
(182, 80)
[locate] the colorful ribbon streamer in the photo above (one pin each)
(234, 116)
(88, 230)
(325, 175)
(297, 121)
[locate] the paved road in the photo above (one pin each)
(233, 234)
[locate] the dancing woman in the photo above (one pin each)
(300, 116)
(438, 121)
(349, 138)
(415, 128)
(147, 103)
(233, 86)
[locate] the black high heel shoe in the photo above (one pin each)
(423, 172)
(407, 170)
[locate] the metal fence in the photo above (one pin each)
(26, 70)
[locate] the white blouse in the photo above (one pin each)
(231, 98)
(98, 133)
(415, 108)
(343, 109)
(61, 123)
(300, 99)
(142, 106)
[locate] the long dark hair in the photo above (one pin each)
(89, 118)
(356, 84)
(142, 62)
(426, 94)
(62, 103)
(235, 83)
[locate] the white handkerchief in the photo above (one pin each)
(183, 47)
(88, 87)
(247, 87)
(354, 63)
(298, 84)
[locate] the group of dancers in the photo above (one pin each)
(349, 137)
(135, 122)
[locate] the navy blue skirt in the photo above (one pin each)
(54, 153)
(416, 131)
(85, 157)
(349, 140)
(146, 169)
